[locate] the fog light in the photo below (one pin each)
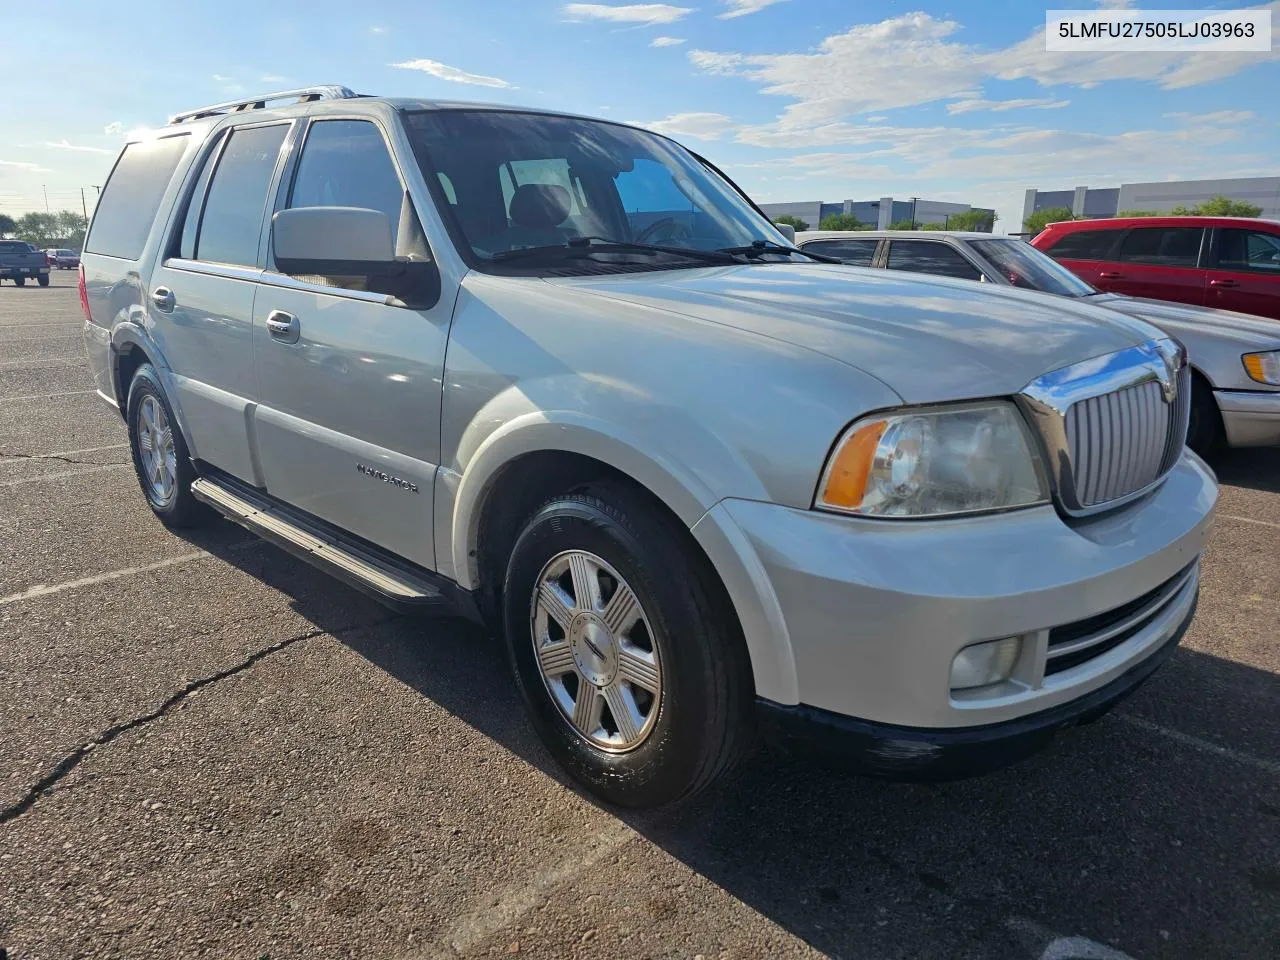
(984, 663)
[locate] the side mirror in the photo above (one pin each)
(350, 244)
(787, 231)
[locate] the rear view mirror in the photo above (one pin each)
(787, 231)
(353, 246)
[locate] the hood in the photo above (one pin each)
(1181, 320)
(931, 339)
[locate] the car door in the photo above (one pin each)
(1089, 254)
(1244, 272)
(348, 424)
(1159, 262)
(930, 256)
(202, 292)
(857, 252)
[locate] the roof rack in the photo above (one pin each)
(301, 95)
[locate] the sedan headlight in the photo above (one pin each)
(1263, 367)
(932, 463)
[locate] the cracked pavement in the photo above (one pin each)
(208, 749)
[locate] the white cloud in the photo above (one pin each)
(453, 74)
(113, 129)
(666, 41)
(272, 78)
(742, 8)
(645, 13)
(66, 145)
(377, 29)
(1000, 106)
(22, 165)
(1218, 116)
(702, 126)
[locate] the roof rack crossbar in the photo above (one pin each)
(301, 95)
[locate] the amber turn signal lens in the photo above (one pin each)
(847, 477)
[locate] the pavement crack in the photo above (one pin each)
(49, 782)
(5, 455)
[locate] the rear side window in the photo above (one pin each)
(132, 196)
(859, 253)
(930, 256)
(14, 246)
(1162, 246)
(231, 222)
(1084, 245)
(1250, 250)
(345, 163)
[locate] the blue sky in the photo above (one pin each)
(796, 99)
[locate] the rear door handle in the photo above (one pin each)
(163, 298)
(283, 326)
(1110, 275)
(1224, 283)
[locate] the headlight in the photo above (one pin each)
(931, 463)
(1263, 367)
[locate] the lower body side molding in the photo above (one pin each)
(397, 584)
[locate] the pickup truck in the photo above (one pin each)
(20, 261)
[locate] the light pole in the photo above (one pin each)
(914, 201)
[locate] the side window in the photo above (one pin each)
(554, 172)
(132, 196)
(1249, 250)
(345, 163)
(859, 253)
(1162, 246)
(1084, 245)
(650, 196)
(195, 204)
(231, 223)
(930, 256)
(446, 185)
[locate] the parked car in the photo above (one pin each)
(1227, 262)
(1235, 358)
(49, 257)
(559, 373)
(20, 262)
(65, 259)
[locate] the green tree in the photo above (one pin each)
(1141, 213)
(7, 224)
(791, 221)
(38, 228)
(902, 225)
(71, 227)
(840, 221)
(981, 221)
(933, 226)
(1042, 218)
(1219, 206)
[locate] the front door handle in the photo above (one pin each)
(283, 326)
(163, 298)
(1110, 275)
(1224, 283)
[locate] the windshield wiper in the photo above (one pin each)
(758, 247)
(582, 246)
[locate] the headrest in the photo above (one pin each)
(540, 205)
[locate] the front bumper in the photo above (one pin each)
(862, 618)
(1251, 417)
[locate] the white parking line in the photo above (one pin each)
(66, 473)
(47, 396)
(63, 453)
(1261, 523)
(1270, 766)
(44, 590)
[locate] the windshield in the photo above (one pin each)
(1027, 267)
(513, 181)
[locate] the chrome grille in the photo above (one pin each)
(1114, 425)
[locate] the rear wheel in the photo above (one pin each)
(160, 455)
(627, 656)
(1205, 432)
(19, 281)
(43, 280)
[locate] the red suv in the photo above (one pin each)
(1227, 262)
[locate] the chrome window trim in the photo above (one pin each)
(210, 268)
(272, 278)
(1046, 400)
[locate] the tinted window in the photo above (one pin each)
(1163, 246)
(857, 252)
(132, 196)
(1025, 266)
(14, 246)
(1249, 250)
(232, 221)
(1084, 245)
(195, 204)
(930, 256)
(345, 163)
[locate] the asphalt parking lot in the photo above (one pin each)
(209, 749)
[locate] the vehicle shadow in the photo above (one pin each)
(1258, 469)
(1160, 841)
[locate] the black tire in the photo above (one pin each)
(704, 719)
(19, 281)
(1205, 432)
(43, 280)
(181, 508)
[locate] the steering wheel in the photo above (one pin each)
(675, 230)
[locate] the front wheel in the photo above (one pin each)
(1205, 432)
(160, 455)
(625, 649)
(19, 281)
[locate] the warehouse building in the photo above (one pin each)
(877, 213)
(1161, 196)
